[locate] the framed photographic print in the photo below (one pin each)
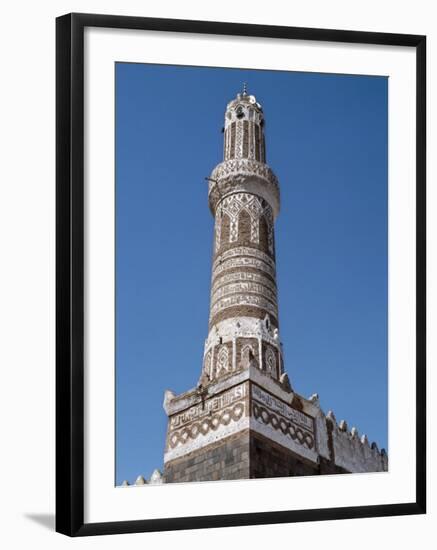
(240, 274)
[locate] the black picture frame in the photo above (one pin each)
(70, 273)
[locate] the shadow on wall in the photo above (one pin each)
(46, 520)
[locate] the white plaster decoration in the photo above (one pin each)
(234, 204)
(212, 436)
(243, 300)
(342, 426)
(264, 381)
(244, 176)
(243, 262)
(192, 397)
(240, 327)
(245, 107)
(243, 276)
(200, 411)
(218, 228)
(207, 422)
(314, 398)
(244, 251)
(156, 477)
(226, 412)
(235, 288)
(254, 229)
(222, 365)
(278, 406)
(168, 398)
(282, 423)
(140, 480)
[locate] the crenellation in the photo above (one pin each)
(343, 426)
(140, 481)
(352, 452)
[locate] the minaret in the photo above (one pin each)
(244, 200)
(243, 419)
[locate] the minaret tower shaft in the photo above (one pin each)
(244, 200)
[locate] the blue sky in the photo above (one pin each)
(326, 140)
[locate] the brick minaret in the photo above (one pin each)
(243, 419)
(244, 200)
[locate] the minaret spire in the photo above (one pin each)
(244, 129)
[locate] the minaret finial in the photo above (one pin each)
(244, 88)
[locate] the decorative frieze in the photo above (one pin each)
(223, 363)
(243, 167)
(243, 176)
(243, 251)
(237, 409)
(282, 423)
(207, 422)
(256, 208)
(273, 404)
(238, 288)
(242, 327)
(244, 300)
(243, 276)
(243, 262)
(209, 407)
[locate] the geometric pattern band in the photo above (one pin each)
(283, 425)
(244, 276)
(244, 300)
(211, 423)
(240, 287)
(243, 251)
(243, 262)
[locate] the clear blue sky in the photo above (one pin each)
(326, 139)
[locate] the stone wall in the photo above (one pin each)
(226, 459)
(267, 460)
(246, 455)
(352, 452)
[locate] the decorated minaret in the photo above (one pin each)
(243, 419)
(244, 200)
